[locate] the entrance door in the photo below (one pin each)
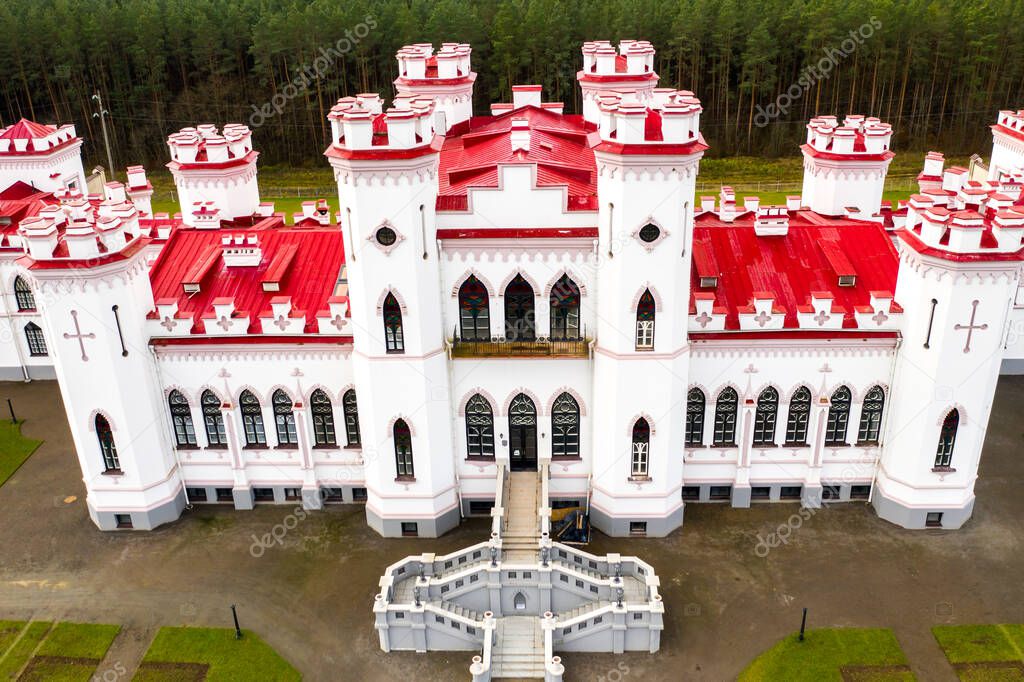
(522, 426)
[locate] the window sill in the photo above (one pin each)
(480, 459)
(39, 355)
(326, 446)
(763, 446)
(837, 445)
(287, 446)
(640, 479)
(256, 447)
(354, 446)
(405, 479)
(186, 447)
(216, 447)
(395, 352)
(569, 459)
(794, 445)
(721, 446)
(867, 444)
(113, 472)
(644, 349)
(943, 470)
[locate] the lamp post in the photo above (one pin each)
(803, 624)
(102, 116)
(234, 616)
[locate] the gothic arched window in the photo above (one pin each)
(725, 417)
(351, 410)
(947, 440)
(181, 417)
(645, 321)
(871, 417)
(641, 450)
(565, 427)
(479, 427)
(252, 420)
(213, 418)
(474, 311)
(23, 296)
(765, 417)
(35, 340)
(838, 417)
(320, 405)
(695, 417)
(565, 310)
(394, 338)
(284, 419)
(520, 321)
(799, 413)
(403, 450)
(105, 436)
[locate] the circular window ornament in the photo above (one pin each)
(649, 233)
(386, 236)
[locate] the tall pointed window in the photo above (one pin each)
(565, 427)
(284, 419)
(799, 413)
(725, 417)
(23, 296)
(213, 419)
(765, 417)
(351, 410)
(394, 338)
(105, 436)
(474, 311)
(252, 420)
(947, 440)
(403, 450)
(479, 427)
(695, 417)
(181, 418)
(645, 321)
(838, 417)
(320, 405)
(520, 321)
(871, 417)
(641, 448)
(35, 340)
(565, 310)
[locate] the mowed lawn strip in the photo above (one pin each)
(981, 643)
(9, 631)
(22, 650)
(248, 658)
(79, 640)
(14, 448)
(823, 652)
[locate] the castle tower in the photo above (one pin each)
(628, 72)
(958, 274)
(47, 157)
(1007, 145)
(845, 165)
(445, 77)
(215, 170)
(647, 164)
(93, 291)
(386, 166)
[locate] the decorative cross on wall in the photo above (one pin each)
(169, 324)
(762, 318)
(281, 322)
(879, 317)
(79, 335)
(703, 319)
(822, 317)
(338, 322)
(971, 326)
(224, 323)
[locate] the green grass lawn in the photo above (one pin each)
(45, 652)
(14, 449)
(970, 647)
(229, 659)
(823, 652)
(79, 640)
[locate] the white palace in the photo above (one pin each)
(524, 290)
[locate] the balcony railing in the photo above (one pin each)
(502, 347)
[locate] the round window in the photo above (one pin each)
(649, 233)
(386, 236)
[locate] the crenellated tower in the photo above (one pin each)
(214, 172)
(386, 166)
(446, 78)
(47, 157)
(1007, 145)
(647, 163)
(92, 287)
(960, 265)
(845, 165)
(628, 72)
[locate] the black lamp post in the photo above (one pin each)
(234, 616)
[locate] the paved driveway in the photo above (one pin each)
(311, 597)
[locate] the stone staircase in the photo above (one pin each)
(452, 607)
(519, 651)
(522, 523)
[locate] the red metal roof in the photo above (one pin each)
(316, 260)
(26, 130)
(794, 265)
(559, 147)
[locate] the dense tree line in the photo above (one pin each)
(937, 69)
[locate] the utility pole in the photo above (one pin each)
(102, 116)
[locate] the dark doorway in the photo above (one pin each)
(522, 426)
(520, 324)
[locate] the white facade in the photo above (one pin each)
(525, 290)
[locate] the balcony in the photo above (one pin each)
(500, 347)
